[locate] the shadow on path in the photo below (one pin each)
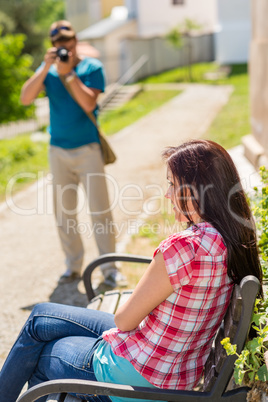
(67, 293)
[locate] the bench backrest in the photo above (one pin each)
(236, 324)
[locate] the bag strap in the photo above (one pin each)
(90, 115)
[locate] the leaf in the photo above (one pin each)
(239, 375)
(251, 376)
(263, 373)
(254, 346)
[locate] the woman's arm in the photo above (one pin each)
(153, 288)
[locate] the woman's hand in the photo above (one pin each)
(153, 288)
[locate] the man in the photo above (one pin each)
(75, 154)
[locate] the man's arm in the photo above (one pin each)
(34, 85)
(84, 96)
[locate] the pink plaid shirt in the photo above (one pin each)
(170, 346)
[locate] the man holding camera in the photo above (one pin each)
(75, 154)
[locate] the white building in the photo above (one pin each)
(233, 33)
(121, 37)
(157, 17)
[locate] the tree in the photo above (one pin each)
(24, 28)
(181, 36)
(15, 69)
(32, 18)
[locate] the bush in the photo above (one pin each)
(15, 70)
(261, 214)
(250, 366)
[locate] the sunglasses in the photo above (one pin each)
(57, 30)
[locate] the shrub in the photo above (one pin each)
(15, 70)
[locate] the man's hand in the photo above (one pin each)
(65, 67)
(50, 56)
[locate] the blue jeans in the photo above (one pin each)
(57, 342)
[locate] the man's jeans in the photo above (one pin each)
(56, 342)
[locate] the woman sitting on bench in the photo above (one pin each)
(162, 335)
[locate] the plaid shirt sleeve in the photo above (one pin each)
(179, 254)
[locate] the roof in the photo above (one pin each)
(102, 28)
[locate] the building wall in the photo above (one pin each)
(157, 17)
(109, 48)
(259, 83)
(234, 31)
(107, 5)
(83, 13)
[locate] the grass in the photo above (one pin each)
(233, 121)
(21, 160)
(180, 74)
(143, 103)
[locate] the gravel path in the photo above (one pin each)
(31, 257)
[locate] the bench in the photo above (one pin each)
(218, 369)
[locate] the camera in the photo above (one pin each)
(62, 53)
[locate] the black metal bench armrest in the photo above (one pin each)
(126, 391)
(108, 258)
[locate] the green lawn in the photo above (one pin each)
(233, 121)
(21, 160)
(180, 74)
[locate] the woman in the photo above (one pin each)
(162, 335)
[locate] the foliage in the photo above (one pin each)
(21, 156)
(250, 365)
(180, 36)
(23, 29)
(261, 214)
(32, 18)
(15, 69)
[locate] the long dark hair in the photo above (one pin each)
(206, 170)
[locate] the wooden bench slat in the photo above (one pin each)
(53, 398)
(236, 305)
(124, 296)
(210, 379)
(220, 353)
(70, 398)
(110, 301)
(230, 326)
(95, 303)
(60, 398)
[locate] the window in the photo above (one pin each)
(177, 2)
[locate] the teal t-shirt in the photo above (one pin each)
(108, 367)
(70, 127)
